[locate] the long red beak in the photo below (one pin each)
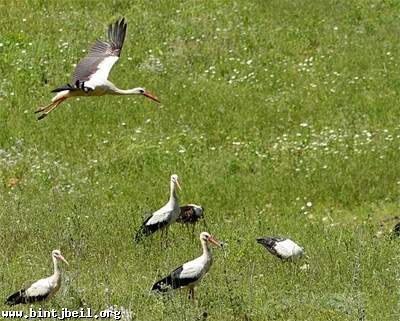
(214, 241)
(148, 95)
(178, 184)
(63, 259)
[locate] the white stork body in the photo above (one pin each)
(190, 273)
(163, 217)
(43, 289)
(90, 77)
(283, 248)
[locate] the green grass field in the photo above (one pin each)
(280, 117)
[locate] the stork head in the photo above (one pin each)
(175, 181)
(142, 91)
(205, 236)
(56, 254)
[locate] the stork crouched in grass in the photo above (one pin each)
(90, 75)
(190, 273)
(281, 247)
(43, 289)
(190, 214)
(165, 216)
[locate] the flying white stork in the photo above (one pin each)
(43, 289)
(281, 247)
(90, 75)
(163, 217)
(190, 273)
(190, 214)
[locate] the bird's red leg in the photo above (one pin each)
(40, 109)
(51, 108)
(48, 109)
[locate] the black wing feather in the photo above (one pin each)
(65, 87)
(20, 297)
(172, 281)
(16, 298)
(270, 242)
(101, 50)
(146, 230)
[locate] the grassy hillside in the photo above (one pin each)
(280, 117)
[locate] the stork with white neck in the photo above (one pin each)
(90, 75)
(190, 273)
(165, 216)
(41, 290)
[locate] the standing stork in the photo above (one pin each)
(190, 214)
(90, 75)
(166, 215)
(281, 247)
(43, 289)
(190, 273)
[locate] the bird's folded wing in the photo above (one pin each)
(191, 269)
(160, 216)
(183, 276)
(40, 288)
(285, 248)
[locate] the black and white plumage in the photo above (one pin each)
(90, 77)
(163, 217)
(190, 214)
(281, 247)
(41, 290)
(190, 273)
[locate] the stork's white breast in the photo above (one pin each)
(288, 249)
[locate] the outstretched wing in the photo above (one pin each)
(102, 55)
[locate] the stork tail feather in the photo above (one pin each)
(16, 298)
(143, 232)
(146, 230)
(65, 87)
(163, 285)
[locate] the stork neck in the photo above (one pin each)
(118, 91)
(173, 196)
(206, 249)
(57, 270)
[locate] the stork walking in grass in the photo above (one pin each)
(190, 273)
(43, 289)
(165, 216)
(90, 75)
(282, 248)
